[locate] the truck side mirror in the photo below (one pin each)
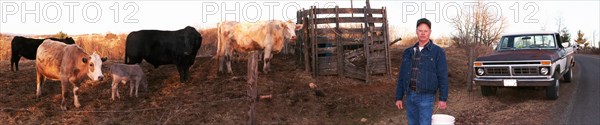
(566, 44)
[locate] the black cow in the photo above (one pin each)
(27, 47)
(164, 47)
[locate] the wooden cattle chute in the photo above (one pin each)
(327, 50)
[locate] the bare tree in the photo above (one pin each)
(565, 36)
(560, 22)
(482, 26)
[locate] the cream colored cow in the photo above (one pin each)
(266, 36)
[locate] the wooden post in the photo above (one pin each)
(368, 14)
(352, 6)
(470, 71)
(306, 38)
(252, 87)
(387, 41)
(298, 47)
(340, 46)
(366, 42)
(313, 40)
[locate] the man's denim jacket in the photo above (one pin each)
(433, 71)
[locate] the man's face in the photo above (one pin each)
(423, 32)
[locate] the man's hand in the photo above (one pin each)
(442, 104)
(399, 104)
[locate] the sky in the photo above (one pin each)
(84, 17)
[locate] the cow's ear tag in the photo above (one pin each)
(85, 60)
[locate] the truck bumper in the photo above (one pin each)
(520, 82)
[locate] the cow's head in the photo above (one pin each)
(94, 66)
(289, 29)
(69, 40)
(191, 40)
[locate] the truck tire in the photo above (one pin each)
(487, 90)
(568, 76)
(552, 90)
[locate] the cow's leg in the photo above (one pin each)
(186, 72)
(267, 59)
(131, 87)
(75, 89)
(12, 62)
(114, 85)
(40, 80)
(17, 63)
(75, 98)
(63, 88)
(221, 62)
(137, 85)
(15, 60)
(228, 63)
(180, 71)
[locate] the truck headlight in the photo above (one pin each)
(544, 71)
(480, 71)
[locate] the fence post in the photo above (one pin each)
(306, 38)
(252, 87)
(313, 40)
(340, 46)
(387, 43)
(367, 41)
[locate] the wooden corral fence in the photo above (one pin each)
(326, 48)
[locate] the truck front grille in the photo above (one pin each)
(497, 71)
(525, 71)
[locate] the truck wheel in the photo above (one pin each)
(552, 90)
(568, 76)
(487, 90)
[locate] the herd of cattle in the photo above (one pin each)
(63, 60)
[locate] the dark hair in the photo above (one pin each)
(425, 21)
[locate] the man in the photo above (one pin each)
(423, 72)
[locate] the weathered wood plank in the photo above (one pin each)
(327, 65)
(349, 31)
(326, 50)
(346, 11)
(352, 71)
(349, 20)
(327, 59)
(377, 47)
(377, 59)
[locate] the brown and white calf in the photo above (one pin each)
(67, 63)
(266, 36)
(123, 73)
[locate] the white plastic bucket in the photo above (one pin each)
(442, 119)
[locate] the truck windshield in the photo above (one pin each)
(527, 42)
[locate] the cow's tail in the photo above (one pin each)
(126, 60)
(14, 54)
(219, 42)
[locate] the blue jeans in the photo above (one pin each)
(419, 108)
